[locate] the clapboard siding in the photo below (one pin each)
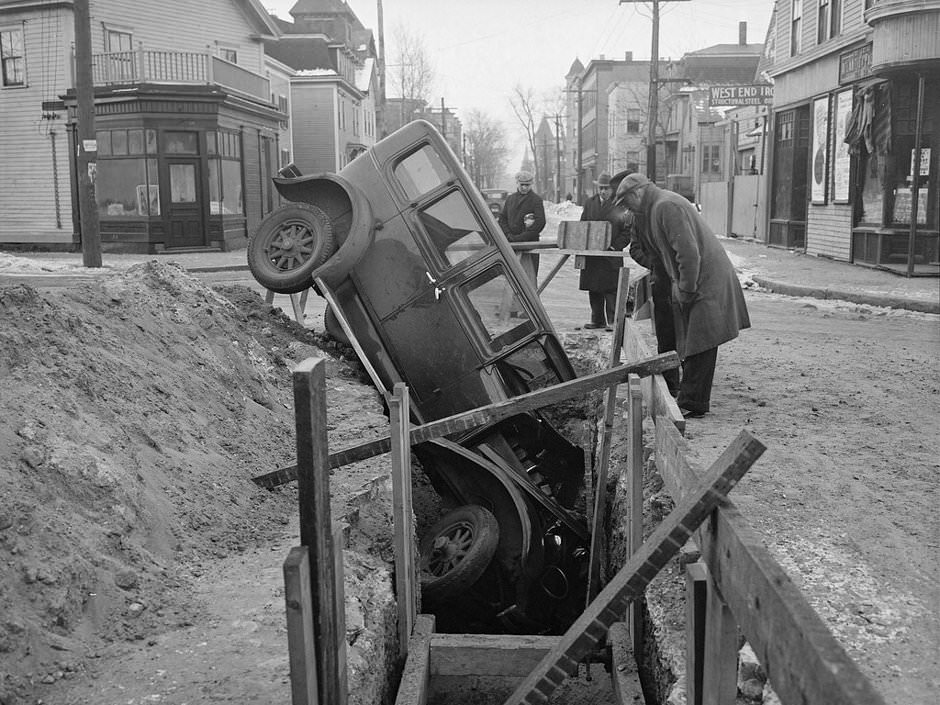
(180, 25)
(828, 231)
(27, 193)
(314, 133)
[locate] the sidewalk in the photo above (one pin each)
(777, 270)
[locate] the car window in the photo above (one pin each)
(491, 295)
(421, 172)
(453, 228)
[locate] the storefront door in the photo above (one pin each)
(185, 218)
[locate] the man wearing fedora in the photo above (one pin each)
(600, 274)
(707, 300)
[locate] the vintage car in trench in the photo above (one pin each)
(418, 276)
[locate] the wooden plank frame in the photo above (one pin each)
(316, 530)
(301, 641)
(631, 580)
(468, 420)
(804, 661)
(413, 687)
(659, 402)
(403, 523)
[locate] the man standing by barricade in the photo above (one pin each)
(706, 296)
(522, 219)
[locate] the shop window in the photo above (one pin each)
(12, 57)
(225, 173)
(180, 143)
(127, 187)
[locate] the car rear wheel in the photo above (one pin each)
(456, 551)
(289, 245)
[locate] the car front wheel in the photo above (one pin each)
(456, 551)
(289, 245)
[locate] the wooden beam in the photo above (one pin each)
(696, 595)
(486, 414)
(413, 688)
(635, 497)
(488, 654)
(655, 390)
(804, 661)
(598, 544)
(720, 665)
(316, 530)
(631, 580)
(301, 642)
(403, 520)
(624, 675)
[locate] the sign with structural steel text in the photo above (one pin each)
(741, 94)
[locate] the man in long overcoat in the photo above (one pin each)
(600, 274)
(706, 295)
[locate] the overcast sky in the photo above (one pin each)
(480, 49)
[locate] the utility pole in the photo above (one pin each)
(652, 118)
(443, 120)
(580, 175)
(85, 142)
(383, 125)
(557, 158)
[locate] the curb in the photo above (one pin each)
(857, 297)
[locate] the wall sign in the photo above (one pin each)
(855, 64)
(820, 160)
(741, 94)
(841, 159)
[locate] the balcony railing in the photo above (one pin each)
(153, 66)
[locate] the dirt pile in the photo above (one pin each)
(136, 408)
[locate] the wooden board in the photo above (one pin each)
(803, 659)
(487, 414)
(413, 688)
(301, 644)
(584, 235)
(631, 580)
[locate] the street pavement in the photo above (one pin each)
(778, 270)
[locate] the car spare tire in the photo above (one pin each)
(289, 245)
(456, 551)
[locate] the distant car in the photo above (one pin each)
(495, 198)
(419, 276)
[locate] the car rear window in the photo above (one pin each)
(453, 228)
(421, 172)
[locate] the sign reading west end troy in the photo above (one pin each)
(742, 94)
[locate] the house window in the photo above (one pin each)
(634, 119)
(229, 54)
(829, 20)
(120, 64)
(118, 40)
(796, 27)
(711, 159)
(13, 57)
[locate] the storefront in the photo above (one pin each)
(855, 142)
(181, 168)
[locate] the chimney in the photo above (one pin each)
(628, 56)
(742, 33)
(603, 58)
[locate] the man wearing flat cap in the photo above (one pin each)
(599, 275)
(522, 220)
(707, 300)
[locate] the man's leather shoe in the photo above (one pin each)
(689, 414)
(592, 326)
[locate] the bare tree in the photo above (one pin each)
(486, 147)
(525, 106)
(412, 74)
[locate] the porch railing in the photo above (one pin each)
(187, 67)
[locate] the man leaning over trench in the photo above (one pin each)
(705, 294)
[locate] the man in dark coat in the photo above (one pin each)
(600, 274)
(522, 220)
(706, 295)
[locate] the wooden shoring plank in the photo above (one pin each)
(720, 667)
(624, 675)
(642, 297)
(298, 303)
(659, 402)
(804, 661)
(696, 596)
(634, 484)
(268, 296)
(301, 642)
(403, 522)
(551, 275)
(631, 580)
(488, 654)
(339, 607)
(316, 530)
(598, 545)
(413, 688)
(467, 420)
